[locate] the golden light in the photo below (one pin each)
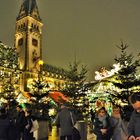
(103, 73)
(52, 112)
(40, 62)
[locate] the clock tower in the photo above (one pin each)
(28, 35)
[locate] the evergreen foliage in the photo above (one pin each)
(39, 89)
(9, 62)
(76, 88)
(8, 56)
(126, 80)
(40, 102)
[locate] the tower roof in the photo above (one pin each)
(29, 8)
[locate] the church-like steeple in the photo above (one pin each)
(28, 38)
(29, 8)
(28, 35)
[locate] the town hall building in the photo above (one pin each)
(28, 45)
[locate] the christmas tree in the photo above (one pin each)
(9, 67)
(76, 89)
(126, 80)
(40, 101)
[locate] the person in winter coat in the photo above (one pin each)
(20, 122)
(65, 119)
(102, 125)
(27, 135)
(4, 125)
(134, 124)
(119, 131)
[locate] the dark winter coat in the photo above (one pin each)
(64, 121)
(99, 125)
(4, 127)
(20, 121)
(134, 125)
(28, 125)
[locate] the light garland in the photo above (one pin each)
(103, 73)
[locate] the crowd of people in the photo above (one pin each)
(113, 127)
(17, 128)
(105, 127)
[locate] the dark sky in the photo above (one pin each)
(87, 29)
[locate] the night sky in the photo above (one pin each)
(87, 30)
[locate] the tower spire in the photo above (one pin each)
(29, 8)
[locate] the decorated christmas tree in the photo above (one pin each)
(8, 71)
(39, 99)
(8, 57)
(126, 80)
(76, 89)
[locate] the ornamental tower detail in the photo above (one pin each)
(28, 35)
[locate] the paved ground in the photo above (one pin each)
(54, 135)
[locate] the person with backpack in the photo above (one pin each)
(65, 120)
